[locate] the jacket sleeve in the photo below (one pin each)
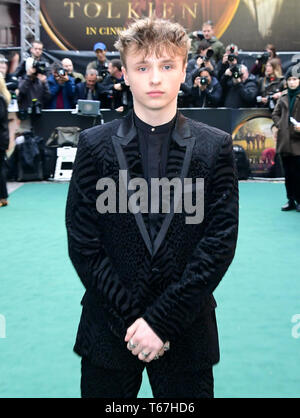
(276, 114)
(249, 92)
(85, 248)
(178, 307)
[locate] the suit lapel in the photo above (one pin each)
(127, 150)
(126, 147)
(179, 158)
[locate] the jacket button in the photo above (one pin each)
(225, 196)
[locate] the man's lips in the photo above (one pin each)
(155, 93)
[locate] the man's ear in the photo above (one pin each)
(125, 75)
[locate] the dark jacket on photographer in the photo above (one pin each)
(288, 140)
(210, 97)
(101, 67)
(82, 92)
(239, 95)
(62, 95)
(31, 88)
(268, 86)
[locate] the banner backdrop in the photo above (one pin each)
(78, 25)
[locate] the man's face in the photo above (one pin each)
(91, 80)
(101, 55)
(154, 82)
(3, 68)
(111, 69)
(245, 73)
(37, 50)
(67, 65)
(293, 83)
(208, 32)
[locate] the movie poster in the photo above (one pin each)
(78, 25)
(253, 130)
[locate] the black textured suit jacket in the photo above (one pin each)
(170, 282)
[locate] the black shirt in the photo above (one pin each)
(154, 142)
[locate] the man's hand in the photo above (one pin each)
(42, 77)
(147, 343)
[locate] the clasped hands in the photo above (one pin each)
(144, 343)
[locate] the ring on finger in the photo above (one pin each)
(131, 346)
(144, 354)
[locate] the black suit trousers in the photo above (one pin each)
(98, 382)
(291, 165)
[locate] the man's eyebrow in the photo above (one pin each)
(145, 61)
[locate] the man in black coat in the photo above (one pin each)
(149, 274)
(240, 88)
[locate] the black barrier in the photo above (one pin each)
(250, 129)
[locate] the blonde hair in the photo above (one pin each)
(3, 90)
(154, 35)
(276, 65)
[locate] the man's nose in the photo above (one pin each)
(155, 76)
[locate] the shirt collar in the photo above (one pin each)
(161, 129)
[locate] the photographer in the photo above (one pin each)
(114, 86)
(271, 85)
(202, 59)
(240, 88)
(101, 63)
(33, 93)
(230, 59)
(36, 53)
(90, 89)
(206, 90)
(67, 65)
(259, 66)
(62, 88)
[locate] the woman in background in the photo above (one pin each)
(5, 98)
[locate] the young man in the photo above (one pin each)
(149, 276)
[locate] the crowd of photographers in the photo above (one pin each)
(216, 77)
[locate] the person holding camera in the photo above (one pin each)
(202, 59)
(206, 90)
(286, 117)
(34, 94)
(4, 138)
(207, 33)
(90, 88)
(114, 86)
(62, 88)
(230, 59)
(35, 53)
(101, 63)
(240, 87)
(67, 65)
(271, 86)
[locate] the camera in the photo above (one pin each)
(62, 72)
(263, 58)
(209, 54)
(271, 103)
(236, 71)
(40, 67)
(204, 81)
(231, 57)
(200, 35)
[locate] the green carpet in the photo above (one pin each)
(40, 299)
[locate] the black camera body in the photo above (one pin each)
(263, 58)
(208, 55)
(35, 109)
(40, 67)
(231, 57)
(204, 81)
(62, 72)
(236, 71)
(200, 35)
